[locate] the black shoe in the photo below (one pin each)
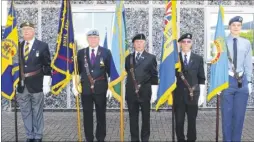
(29, 140)
(37, 140)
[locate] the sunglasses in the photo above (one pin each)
(186, 41)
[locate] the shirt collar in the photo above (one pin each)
(231, 37)
(30, 41)
(95, 48)
(188, 53)
(136, 52)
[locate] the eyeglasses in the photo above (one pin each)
(186, 41)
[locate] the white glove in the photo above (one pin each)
(46, 84)
(109, 94)
(250, 88)
(201, 99)
(74, 87)
(154, 93)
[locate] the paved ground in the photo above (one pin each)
(61, 126)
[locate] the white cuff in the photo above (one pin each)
(46, 80)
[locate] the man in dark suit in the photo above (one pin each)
(142, 74)
(193, 72)
(35, 81)
(94, 69)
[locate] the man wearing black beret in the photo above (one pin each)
(190, 89)
(141, 87)
(35, 81)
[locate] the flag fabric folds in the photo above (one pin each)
(119, 51)
(168, 64)
(62, 63)
(219, 64)
(9, 56)
(105, 44)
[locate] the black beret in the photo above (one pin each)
(184, 36)
(139, 37)
(235, 19)
(29, 24)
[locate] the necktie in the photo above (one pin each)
(26, 52)
(92, 57)
(235, 53)
(137, 57)
(185, 60)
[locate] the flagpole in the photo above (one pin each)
(15, 98)
(217, 118)
(173, 119)
(75, 71)
(16, 116)
(121, 115)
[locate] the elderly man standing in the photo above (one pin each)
(141, 87)
(94, 69)
(234, 99)
(35, 81)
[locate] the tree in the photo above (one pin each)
(250, 36)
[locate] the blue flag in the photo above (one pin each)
(62, 63)
(219, 66)
(119, 52)
(168, 64)
(105, 44)
(9, 50)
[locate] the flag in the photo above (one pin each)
(119, 51)
(62, 63)
(219, 64)
(105, 45)
(10, 65)
(167, 82)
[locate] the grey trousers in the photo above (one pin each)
(31, 107)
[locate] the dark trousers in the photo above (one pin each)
(133, 108)
(88, 100)
(191, 110)
(233, 107)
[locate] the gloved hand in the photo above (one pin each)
(74, 87)
(154, 93)
(46, 84)
(250, 88)
(202, 97)
(109, 94)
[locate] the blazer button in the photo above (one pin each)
(91, 70)
(25, 66)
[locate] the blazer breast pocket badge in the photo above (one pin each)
(37, 53)
(101, 62)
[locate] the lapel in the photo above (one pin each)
(181, 60)
(98, 55)
(22, 51)
(142, 58)
(88, 56)
(33, 49)
(191, 60)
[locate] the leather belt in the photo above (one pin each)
(191, 89)
(32, 73)
(136, 85)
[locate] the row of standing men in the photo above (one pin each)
(94, 62)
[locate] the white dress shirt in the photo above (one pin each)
(188, 56)
(31, 42)
(136, 52)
